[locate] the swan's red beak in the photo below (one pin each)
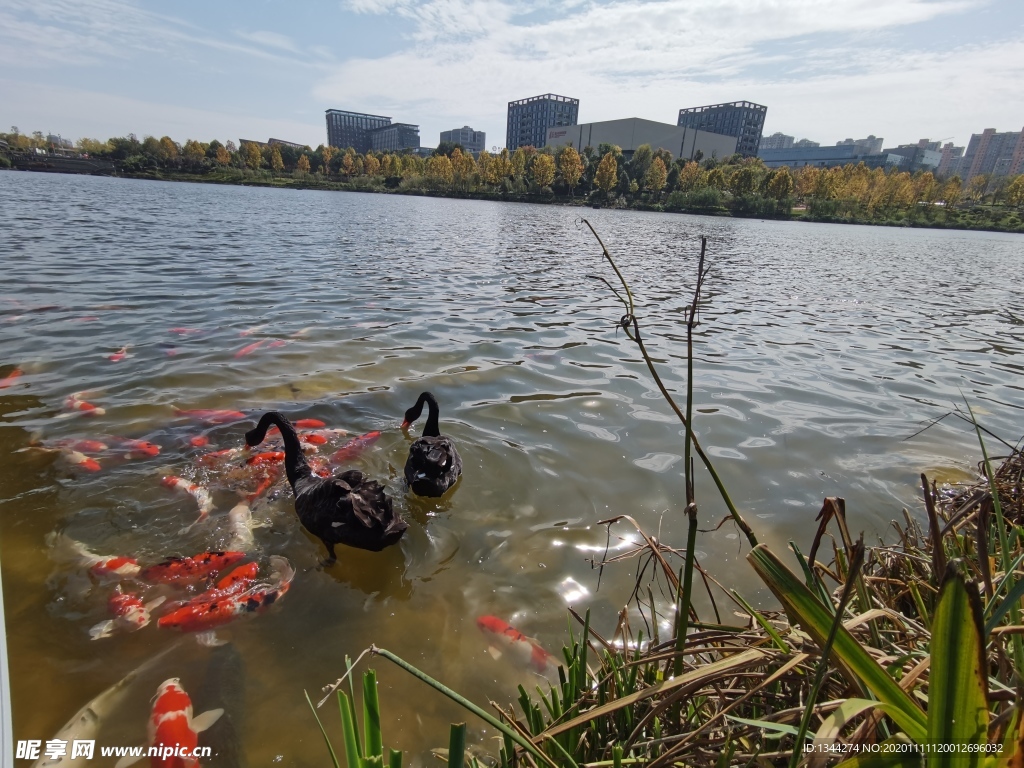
(405, 425)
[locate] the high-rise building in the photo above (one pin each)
(472, 141)
(352, 129)
(630, 133)
(395, 137)
(949, 162)
(872, 145)
(529, 119)
(776, 141)
(804, 143)
(742, 119)
(995, 153)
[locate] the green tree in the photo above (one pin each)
(779, 184)
(977, 187)
(641, 161)
(743, 181)
(607, 173)
(570, 165)
(656, 175)
(543, 171)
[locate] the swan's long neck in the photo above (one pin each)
(430, 429)
(295, 464)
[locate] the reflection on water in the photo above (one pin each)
(820, 349)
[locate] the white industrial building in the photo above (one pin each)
(631, 132)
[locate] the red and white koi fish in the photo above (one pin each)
(321, 467)
(248, 349)
(197, 492)
(267, 457)
(64, 549)
(76, 402)
(86, 445)
(240, 523)
(129, 612)
(271, 474)
(236, 582)
(277, 343)
(185, 331)
(173, 731)
(120, 355)
(212, 416)
(80, 460)
(188, 570)
(251, 331)
(10, 378)
(302, 333)
(525, 650)
(138, 449)
(355, 446)
(224, 454)
(258, 597)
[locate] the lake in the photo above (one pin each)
(821, 351)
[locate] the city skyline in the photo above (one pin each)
(905, 69)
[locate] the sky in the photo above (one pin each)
(826, 69)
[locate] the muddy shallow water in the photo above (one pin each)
(821, 349)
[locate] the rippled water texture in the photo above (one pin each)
(821, 349)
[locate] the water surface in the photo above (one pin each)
(821, 349)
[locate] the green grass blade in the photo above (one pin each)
(334, 757)
(371, 716)
(765, 625)
(457, 746)
(779, 729)
(395, 758)
(349, 732)
(1005, 606)
(848, 654)
(958, 686)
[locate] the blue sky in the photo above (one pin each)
(826, 69)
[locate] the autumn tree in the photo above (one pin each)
(607, 175)
(570, 165)
(483, 165)
(807, 181)
(519, 160)
(656, 175)
(303, 165)
(977, 187)
(275, 160)
(193, 150)
(779, 184)
(952, 192)
(223, 156)
(410, 166)
(348, 162)
(743, 181)
(463, 169)
(327, 153)
(439, 171)
(543, 171)
(168, 149)
(1015, 192)
(371, 165)
(252, 154)
(501, 167)
(691, 177)
(716, 178)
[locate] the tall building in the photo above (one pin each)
(742, 119)
(995, 153)
(776, 141)
(352, 129)
(529, 119)
(472, 141)
(872, 145)
(923, 156)
(949, 163)
(804, 143)
(395, 137)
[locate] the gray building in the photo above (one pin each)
(631, 132)
(352, 129)
(872, 145)
(283, 143)
(949, 163)
(471, 141)
(529, 119)
(776, 141)
(742, 119)
(806, 143)
(395, 137)
(917, 157)
(826, 157)
(992, 152)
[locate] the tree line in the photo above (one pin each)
(647, 178)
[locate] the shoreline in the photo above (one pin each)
(324, 185)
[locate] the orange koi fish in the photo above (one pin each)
(173, 731)
(199, 441)
(248, 349)
(138, 449)
(197, 492)
(313, 438)
(211, 416)
(251, 331)
(64, 549)
(90, 446)
(129, 612)
(355, 446)
(271, 474)
(188, 570)
(76, 402)
(10, 378)
(277, 343)
(267, 457)
(258, 597)
(120, 355)
(308, 424)
(224, 454)
(525, 650)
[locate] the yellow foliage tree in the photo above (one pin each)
(276, 162)
(371, 165)
(439, 171)
(483, 165)
(327, 153)
(607, 175)
(780, 184)
(168, 148)
(223, 156)
(348, 163)
(807, 181)
(501, 167)
(194, 150)
(410, 166)
(543, 170)
(656, 175)
(691, 177)
(303, 164)
(252, 154)
(570, 165)
(1015, 192)
(463, 169)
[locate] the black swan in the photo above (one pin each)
(349, 508)
(434, 464)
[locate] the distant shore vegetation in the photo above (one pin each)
(651, 179)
